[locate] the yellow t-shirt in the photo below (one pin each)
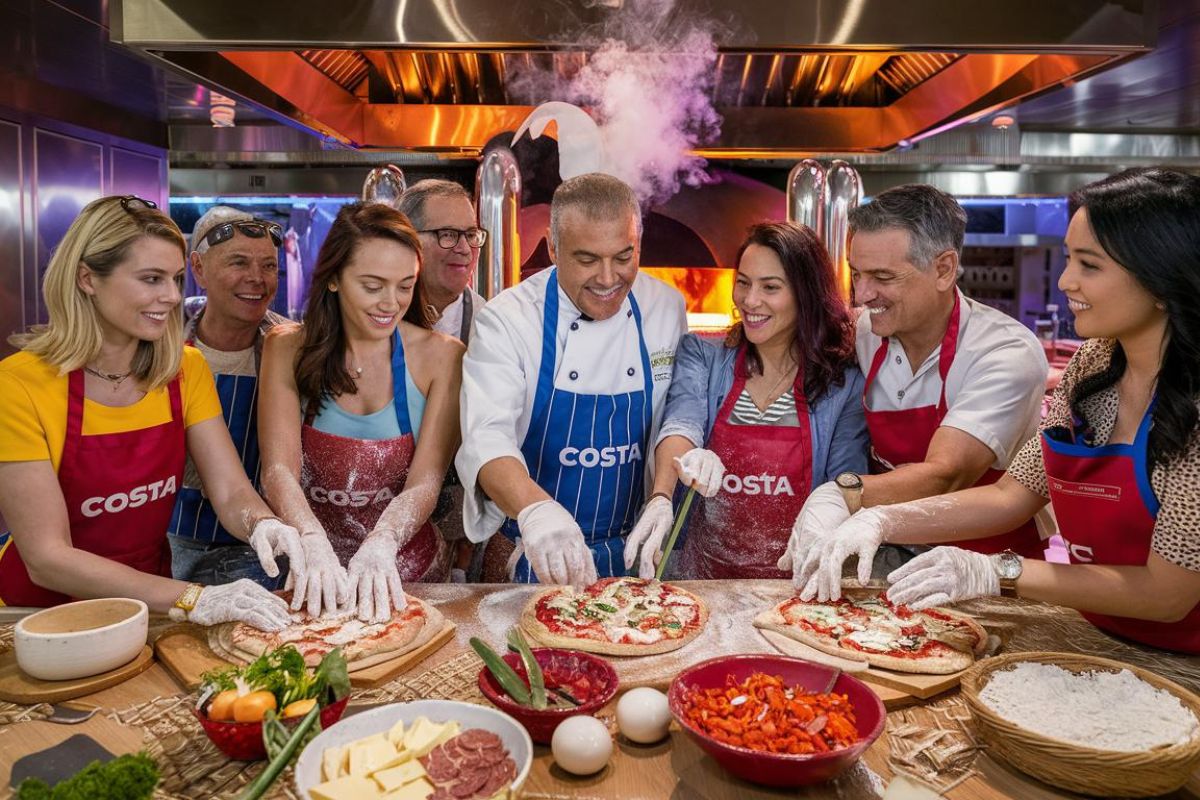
(33, 407)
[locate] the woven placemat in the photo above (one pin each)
(191, 766)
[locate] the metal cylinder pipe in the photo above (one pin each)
(806, 195)
(498, 200)
(844, 192)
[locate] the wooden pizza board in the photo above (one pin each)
(17, 687)
(921, 686)
(184, 651)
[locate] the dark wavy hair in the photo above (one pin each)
(321, 364)
(1148, 221)
(824, 342)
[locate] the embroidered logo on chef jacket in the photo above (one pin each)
(135, 498)
(757, 484)
(604, 457)
(352, 499)
(1099, 491)
(662, 362)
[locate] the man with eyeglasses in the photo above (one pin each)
(953, 389)
(442, 213)
(235, 259)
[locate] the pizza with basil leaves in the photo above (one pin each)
(616, 616)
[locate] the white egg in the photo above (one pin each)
(643, 715)
(581, 745)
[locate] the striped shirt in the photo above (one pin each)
(781, 412)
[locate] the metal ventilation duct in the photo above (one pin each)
(790, 78)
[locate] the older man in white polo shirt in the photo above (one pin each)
(953, 389)
(564, 384)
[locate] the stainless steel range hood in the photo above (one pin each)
(791, 78)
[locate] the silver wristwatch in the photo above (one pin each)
(1008, 566)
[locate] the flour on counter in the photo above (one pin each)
(1103, 710)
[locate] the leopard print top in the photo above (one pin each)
(1177, 485)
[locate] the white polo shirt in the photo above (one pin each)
(500, 373)
(994, 388)
(450, 323)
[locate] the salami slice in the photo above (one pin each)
(469, 783)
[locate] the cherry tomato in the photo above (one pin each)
(299, 708)
(221, 707)
(251, 707)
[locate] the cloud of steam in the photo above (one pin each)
(648, 83)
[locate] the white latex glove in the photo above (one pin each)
(860, 535)
(942, 576)
(652, 526)
(822, 513)
(240, 601)
(272, 537)
(703, 468)
(554, 545)
(374, 579)
(324, 582)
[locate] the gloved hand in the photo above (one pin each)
(240, 601)
(374, 579)
(942, 576)
(652, 526)
(860, 535)
(554, 545)
(273, 537)
(324, 581)
(823, 511)
(703, 467)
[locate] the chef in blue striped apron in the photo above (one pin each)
(564, 384)
(235, 259)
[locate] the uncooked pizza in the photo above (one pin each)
(362, 643)
(616, 616)
(866, 627)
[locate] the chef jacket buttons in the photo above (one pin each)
(574, 326)
(900, 395)
(574, 374)
(629, 313)
(897, 359)
(630, 372)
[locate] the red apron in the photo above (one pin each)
(349, 483)
(119, 489)
(1106, 510)
(742, 532)
(903, 437)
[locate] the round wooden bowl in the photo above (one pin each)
(1071, 766)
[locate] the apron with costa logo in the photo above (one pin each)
(903, 437)
(588, 450)
(1106, 510)
(119, 490)
(742, 532)
(349, 482)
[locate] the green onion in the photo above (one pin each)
(537, 682)
(279, 763)
(679, 518)
(505, 675)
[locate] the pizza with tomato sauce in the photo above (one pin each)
(616, 616)
(866, 627)
(362, 643)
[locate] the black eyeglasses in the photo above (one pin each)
(447, 238)
(255, 229)
(131, 202)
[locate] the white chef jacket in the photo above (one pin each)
(450, 322)
(500, 373)
(994, 388)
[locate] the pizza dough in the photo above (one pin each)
(363, 645)
(863, 626)
(616, 617)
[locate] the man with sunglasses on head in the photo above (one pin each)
(235, 260)
(444, 216)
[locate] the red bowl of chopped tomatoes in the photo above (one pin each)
(764, 718)
(587, 679)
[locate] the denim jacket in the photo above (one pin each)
(703, 377)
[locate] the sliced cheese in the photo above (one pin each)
(395, 777)
(332, 761)
(449, 731)
(419, 789)
(396, 734)
(368, 755)
(402, 755)
(349, 788)
(424, 735)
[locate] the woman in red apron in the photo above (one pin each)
(358, 418)
(760, 419)
(97, 413)
(1119, 451)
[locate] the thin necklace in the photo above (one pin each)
(115, 378)
(771, 394)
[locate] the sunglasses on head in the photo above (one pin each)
(255, 229)
(131, 202)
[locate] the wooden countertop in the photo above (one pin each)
(673, 769)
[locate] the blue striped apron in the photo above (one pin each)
(588, 451)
